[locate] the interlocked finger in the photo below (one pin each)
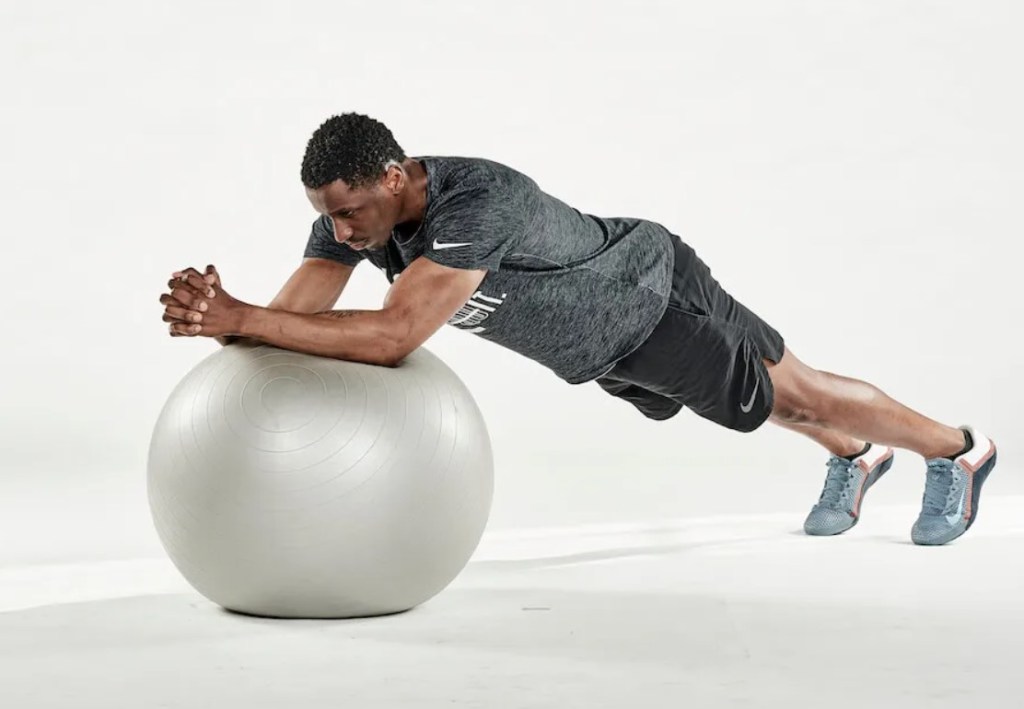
(193, 284)
(207, 278)
(187, 295)
(178, 314)
(182, 329)
(169, 299)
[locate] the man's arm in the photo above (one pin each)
(418, 304)
(315, 286)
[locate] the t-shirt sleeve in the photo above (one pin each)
(472, 228)
(321, 244)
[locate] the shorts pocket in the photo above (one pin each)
(691, 309)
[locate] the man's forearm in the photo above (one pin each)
(369, 336)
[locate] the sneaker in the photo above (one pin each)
(838, 508)
(951, 492)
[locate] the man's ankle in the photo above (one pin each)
(863, 448)
(954, 449)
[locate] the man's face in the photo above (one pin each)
(362, 218)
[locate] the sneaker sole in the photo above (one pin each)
(873, 478)
(979, 479)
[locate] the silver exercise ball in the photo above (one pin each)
(292, 486)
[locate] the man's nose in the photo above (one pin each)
(342, 232)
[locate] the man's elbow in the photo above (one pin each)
(399, 345)
(393, 358)
(390, 358)
(384, 352)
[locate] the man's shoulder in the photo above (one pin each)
(453, 172)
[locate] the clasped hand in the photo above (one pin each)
(198, 305)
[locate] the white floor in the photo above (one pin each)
(720, 612)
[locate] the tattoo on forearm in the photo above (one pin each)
(339, 314)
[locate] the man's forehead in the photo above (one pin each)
(334, 196)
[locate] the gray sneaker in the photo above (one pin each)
(838, 508)
(952, 491)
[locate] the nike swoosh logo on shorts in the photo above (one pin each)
(438, 245)
(749, 405)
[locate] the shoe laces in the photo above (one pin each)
(943, 487)
(838, 483)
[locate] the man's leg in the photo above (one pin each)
(852, 470)
(822, 400)
(835, 442)
(958, 464)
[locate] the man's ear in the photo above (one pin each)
(394, 178)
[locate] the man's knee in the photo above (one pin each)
(801, 393)
(789, 413)
(798, 407)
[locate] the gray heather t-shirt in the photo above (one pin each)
(569, 290)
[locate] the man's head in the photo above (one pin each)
(353, 172)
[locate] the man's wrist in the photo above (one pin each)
(250, 321)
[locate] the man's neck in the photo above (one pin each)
(414, 204)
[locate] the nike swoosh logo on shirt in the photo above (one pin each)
(438, 245)
(745, 408)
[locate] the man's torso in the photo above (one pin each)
(572, 291)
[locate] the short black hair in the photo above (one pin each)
(350, 147)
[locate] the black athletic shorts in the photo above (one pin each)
(705, 353)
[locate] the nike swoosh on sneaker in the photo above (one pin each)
(954, 517)
(450, 245)
(745, 408)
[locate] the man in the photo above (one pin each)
(622, 302)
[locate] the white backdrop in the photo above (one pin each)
(850, 171)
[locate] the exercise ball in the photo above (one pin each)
(287, 485)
